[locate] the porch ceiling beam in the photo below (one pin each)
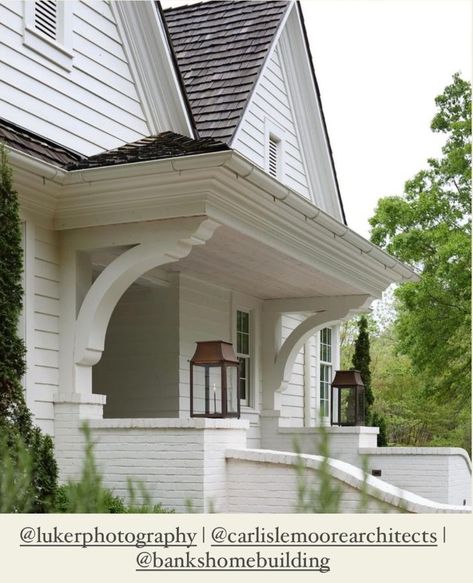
(308, 304)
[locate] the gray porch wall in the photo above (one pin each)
(138, 371)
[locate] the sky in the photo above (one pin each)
(380, 64)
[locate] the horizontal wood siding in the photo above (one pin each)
(93, 107)
(271, 101)
(138, 371)
(204, 314)
(292, 399)
(46, 328)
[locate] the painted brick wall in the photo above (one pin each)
(261, 487)
(440, 474)
(178, 461)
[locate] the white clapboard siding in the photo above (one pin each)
(271, 101)
(46, 327)
(93, 107)
(205, 314)
(292, 401)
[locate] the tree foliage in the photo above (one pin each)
(361, 360)
(429, 227)
(17, 431)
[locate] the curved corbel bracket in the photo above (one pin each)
(171, 242)
(337, 309)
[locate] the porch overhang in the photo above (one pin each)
(262, 222)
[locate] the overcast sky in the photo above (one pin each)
(380, 64)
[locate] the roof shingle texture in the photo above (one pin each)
(220, 48)
(36, 146)
(164, 145)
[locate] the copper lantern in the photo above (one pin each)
(214, 381)
(347, 403)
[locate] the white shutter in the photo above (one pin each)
(45, 17)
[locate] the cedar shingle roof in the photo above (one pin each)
(36, 146)
(220, 48)
(164, 145)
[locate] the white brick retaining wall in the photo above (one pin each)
(442, 474)
(265, 481)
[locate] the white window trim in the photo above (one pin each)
(59, 51)
(250, 305)
(274, 132)
(248, 357)
(325, 421)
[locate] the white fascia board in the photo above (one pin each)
(232, 187)
(315, 148)
(149, 55)
(225, 186)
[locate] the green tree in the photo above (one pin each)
(429, 227)
(16, 426)
(361, 361)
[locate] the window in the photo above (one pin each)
(243, 354)
(48, 30)
(325, 370)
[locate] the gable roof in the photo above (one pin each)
(220, 48)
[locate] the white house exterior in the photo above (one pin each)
(177, 185)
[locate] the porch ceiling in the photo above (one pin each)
(236, 261)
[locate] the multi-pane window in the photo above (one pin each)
(325, 370)
(243, 353)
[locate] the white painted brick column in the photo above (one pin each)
(70, 412)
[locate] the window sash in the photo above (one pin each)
(243, 351)
(325, 369)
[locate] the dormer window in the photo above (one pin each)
(45, 17)
(48, 30)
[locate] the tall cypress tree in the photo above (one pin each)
(361, 361)
(16, 424)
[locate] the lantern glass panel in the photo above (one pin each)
(207, 386)
(232, 389)
(347, 396)
(361, 406)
